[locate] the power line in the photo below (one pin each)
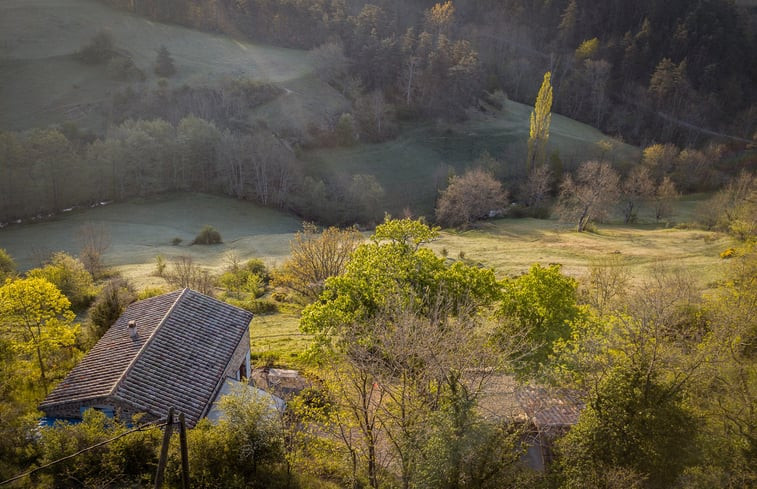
(83, 450)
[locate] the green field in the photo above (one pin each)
(43, 84)
(411, 167)
(142, 229)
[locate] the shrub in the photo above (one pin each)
(729, 253)
(208, 236)
(70, 277)
(256, 266)
(98, 50)
(123, 68)
(262, 306)
(176, 241)
(160, 265)
(109, 305)
(148, 292)
(7, 265)
(241, 282)
(345, 131)
(128, 460)
(256, 306)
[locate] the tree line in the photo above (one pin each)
(146, 157)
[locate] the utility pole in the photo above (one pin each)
(164, 450)
(184, 452)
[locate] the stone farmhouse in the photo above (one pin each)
(178, 349)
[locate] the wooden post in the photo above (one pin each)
(184, 452)
(164, 450)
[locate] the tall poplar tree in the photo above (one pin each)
(541, 117)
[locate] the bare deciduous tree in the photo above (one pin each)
(185, 273)
(637, 187)
(535, 189)
(330, 62)
(95, 241)
(392, 376)
(470, 197)
(664, 196)
(314, 258)
(607, 281)
(588, 197)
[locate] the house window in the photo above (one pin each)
(242, 371)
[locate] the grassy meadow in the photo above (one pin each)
(142, 229)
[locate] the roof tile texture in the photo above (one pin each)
(184, 343)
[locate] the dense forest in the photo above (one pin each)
(673, 71)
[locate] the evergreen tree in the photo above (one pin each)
(164, 66)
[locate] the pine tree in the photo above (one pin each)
(164, 66)
(540, 120)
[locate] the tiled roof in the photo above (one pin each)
(504, 397)
(550, 408)
(183, 345)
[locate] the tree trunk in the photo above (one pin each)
(583, 220)
(42, 369)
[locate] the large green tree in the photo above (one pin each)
(541, 307)
(634, 421)
(37, 319)
(394, 264)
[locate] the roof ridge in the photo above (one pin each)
(147, 342)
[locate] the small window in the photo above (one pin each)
(242, 371)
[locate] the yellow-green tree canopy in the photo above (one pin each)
(541, 117)
(394, 266)
(68, 275)
(7, 265)
(37, 319)
(543, 305)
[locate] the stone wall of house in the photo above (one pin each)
(73, 410)
(241, 355)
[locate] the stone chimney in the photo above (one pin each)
(133, 329)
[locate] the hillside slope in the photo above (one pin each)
(42, 83)
(412, 167)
